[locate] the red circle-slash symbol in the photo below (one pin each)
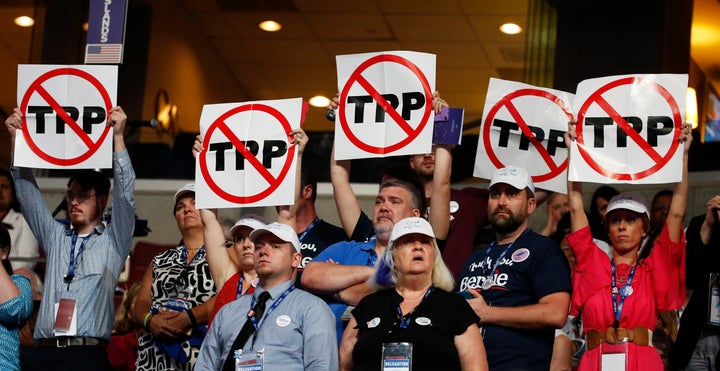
(357, 77)
(273, 182)
(37, 87)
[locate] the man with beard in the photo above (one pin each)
(520, 284)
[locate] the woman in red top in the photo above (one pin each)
(621, 297)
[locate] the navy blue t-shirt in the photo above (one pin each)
(533, 267)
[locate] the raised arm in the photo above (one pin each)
(578, 218)
(711, 219)
(287, 213)
(679, 200)
(439, 217)
(219, 261)
(221, 266)
(123, 201)
(347, 204)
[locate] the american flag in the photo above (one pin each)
(103, 53)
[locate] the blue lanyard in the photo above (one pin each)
(184, 254)
(405, 320)
(71, 269)
(272, 307)
(624, 292)
(238, 293)
(502, 255)
(267, 313)
(309, 228)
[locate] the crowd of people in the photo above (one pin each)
(417, 284)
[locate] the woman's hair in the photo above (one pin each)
(5, 246)
(123, 316)
(596, 221)
(15, 204)
(385, 275)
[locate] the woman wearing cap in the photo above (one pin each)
(231, 280)
(176, 296)
(621, 296)
(413, 321)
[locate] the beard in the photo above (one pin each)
(383, 229)
(506, 223)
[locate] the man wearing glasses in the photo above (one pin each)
(83, 260)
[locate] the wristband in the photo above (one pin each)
(191, 315)
(146, 321)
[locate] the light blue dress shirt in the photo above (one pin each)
(298, 335)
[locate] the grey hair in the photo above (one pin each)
(385, 275)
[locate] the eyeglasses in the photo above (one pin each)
(79, 196)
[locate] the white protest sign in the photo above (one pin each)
(628, 128)
(65, 111)
(247, 158)
(385, 106)
(523, 125)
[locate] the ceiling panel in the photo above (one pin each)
(294, 26)
(232, 49)
(487, 7)
(349, 27)
(487, 28)
(416, 28)
(336, 7)
(460, 54)
(354, 47)
(428, 7)
(287, 52)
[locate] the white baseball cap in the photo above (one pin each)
(514, 176)
(252, 221)
(628, 201)
(279, 230)
(409, 226)
(187, 188)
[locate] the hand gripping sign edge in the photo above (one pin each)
(36, 85)
(356, 76)
(644, 146)
(505, 101)
(206, 144)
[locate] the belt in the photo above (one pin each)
(68, 341)
(638, 335)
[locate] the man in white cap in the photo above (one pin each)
(279, 326)
(520, 283)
